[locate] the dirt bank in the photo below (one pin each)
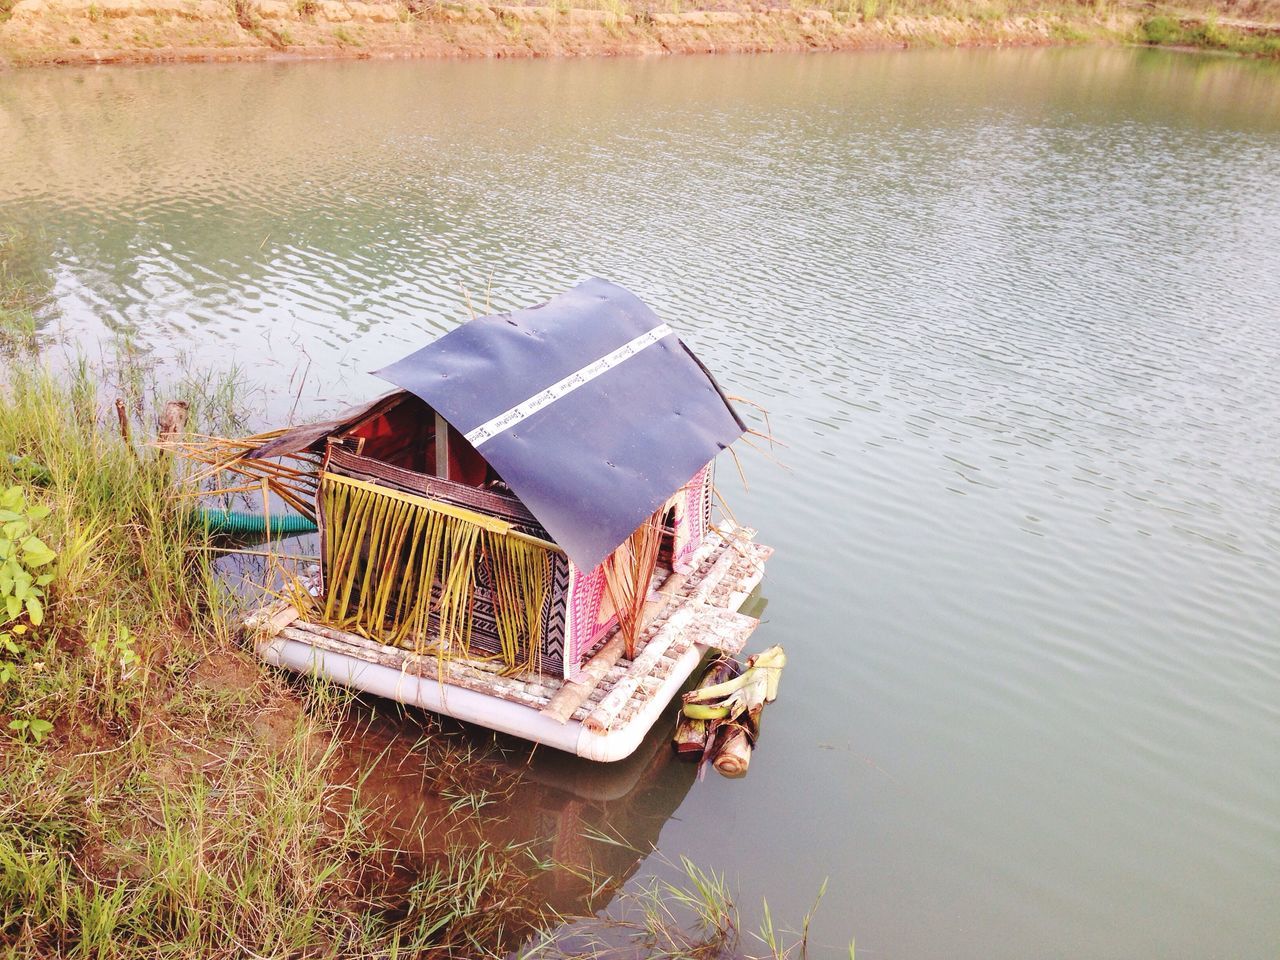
(113, 31)
(101, 31)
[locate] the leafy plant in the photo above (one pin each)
(115, 646)
(31, 727)
(1161, 29)
(111, 645)
(1209, 34)
(22, 554)
(9, 648)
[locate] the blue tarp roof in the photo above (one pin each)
(589, 407)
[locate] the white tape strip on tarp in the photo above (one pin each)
(521, 411)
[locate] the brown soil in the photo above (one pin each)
(107, 31)
(166, 745)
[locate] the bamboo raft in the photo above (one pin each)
(520, 535)
(604, 712)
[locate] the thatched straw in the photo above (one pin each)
(294, 485)
(395, 562)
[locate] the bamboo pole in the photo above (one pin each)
(719, 570)
(410, 664)
(602, 717)
(236, 551)
(122, 415)
(281, 619)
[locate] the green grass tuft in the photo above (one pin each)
(1210, 34)
(1161, 30)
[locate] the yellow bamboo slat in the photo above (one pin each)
(482, 520)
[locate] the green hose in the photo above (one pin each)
(230, 522)
(235, 523)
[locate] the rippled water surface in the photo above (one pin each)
(1017, 317)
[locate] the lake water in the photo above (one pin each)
(1016, 315)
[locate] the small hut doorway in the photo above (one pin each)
(667, 544)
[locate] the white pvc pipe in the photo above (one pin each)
(482, 708)
(616, 745)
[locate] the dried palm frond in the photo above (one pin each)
(521, 575)
(404, 569)
(764, 413)
(627, 574)
(294, 483)
(765, 435)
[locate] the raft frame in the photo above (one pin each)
(687, 617)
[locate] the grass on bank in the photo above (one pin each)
(1209, 34)
(177, 799)
(161, 793)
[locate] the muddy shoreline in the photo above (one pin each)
(45, 32)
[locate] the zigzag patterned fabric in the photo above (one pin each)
(692, 518)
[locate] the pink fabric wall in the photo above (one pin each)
(587, 588)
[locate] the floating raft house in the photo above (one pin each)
(521, 534)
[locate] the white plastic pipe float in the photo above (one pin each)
(482, 708)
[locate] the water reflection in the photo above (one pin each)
(592, 824)
(569, 833)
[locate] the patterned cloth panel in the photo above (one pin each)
(586, 596)
(693, 518)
